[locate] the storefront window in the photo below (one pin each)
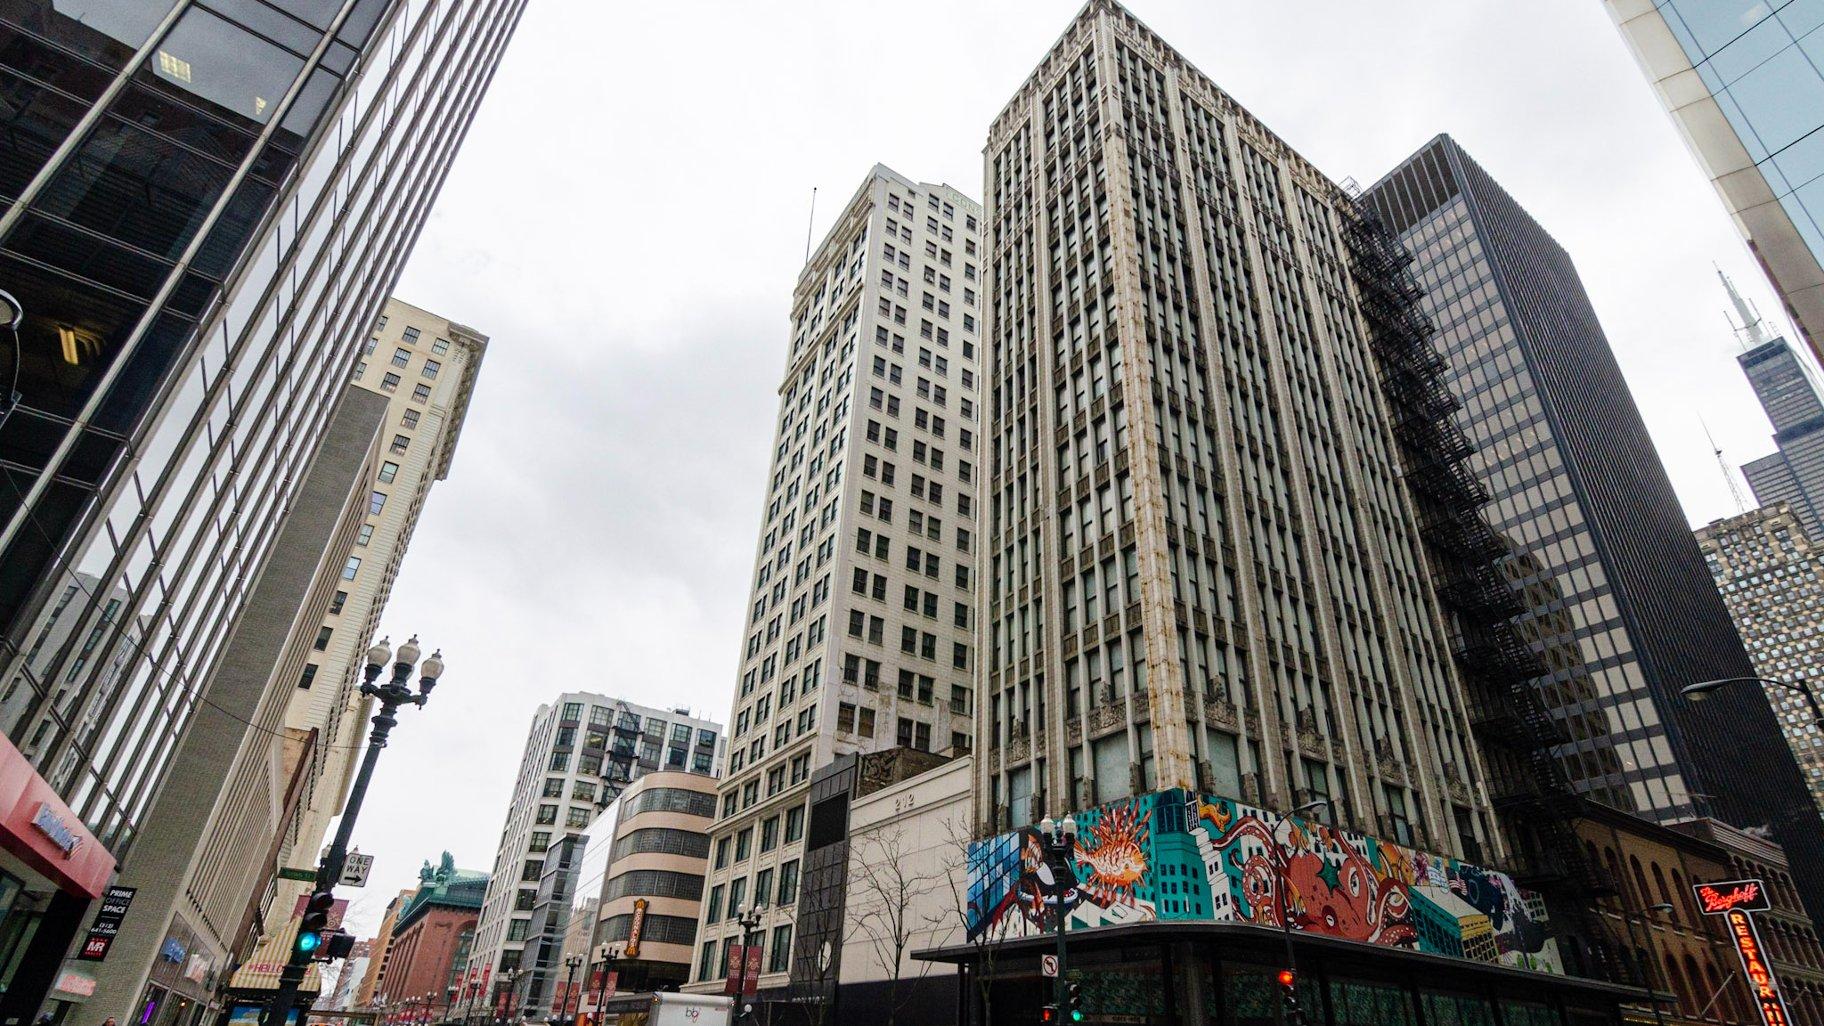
(1360, 1003)
(1456, 1010)
(1527, 1013)
(20, 913)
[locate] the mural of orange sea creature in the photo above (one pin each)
(1116, 853)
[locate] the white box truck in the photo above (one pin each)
(670, 1009)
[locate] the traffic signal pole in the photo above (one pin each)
(393, 694)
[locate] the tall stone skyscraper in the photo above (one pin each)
(1200, 566)
(1772, 578)
(1618, 604)
(859, 634)
(205, 206)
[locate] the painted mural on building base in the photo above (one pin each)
(1174, 855)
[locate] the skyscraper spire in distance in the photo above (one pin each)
(1753, 330)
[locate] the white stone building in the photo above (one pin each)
(860, 634)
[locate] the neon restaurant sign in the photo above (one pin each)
(1735, 900)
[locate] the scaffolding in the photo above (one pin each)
(1520, 738)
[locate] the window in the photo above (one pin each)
(737, 893)
(794, 824)
(390, 383)
(541, 841)
(516, 930)
(722, 852)
(401, 357)
(713, 912)
(430, 369)
(769, 835)
(389, 471)
(401, 443)
(560, 762)
(706, 962)
(525, 899)
(323, 634)
(744, 843)
(421, 394)
(351, 568)
(554, 787)
(409, 419)
(440, 346)
(375, 503)
(336, 603)
(763, 887)
(788, 883)
(364, 535)
(547, 815)
(782, 948)
(577, 818)
(309, 675)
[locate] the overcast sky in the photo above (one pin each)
(628, 215)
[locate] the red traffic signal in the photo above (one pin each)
(1048, 1013)
(1288, 979)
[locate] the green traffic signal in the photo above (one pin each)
(309, 942)
(1076, 1015)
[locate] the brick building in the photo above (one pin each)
(431, 938)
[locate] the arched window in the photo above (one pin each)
(1684, 899)
(1642, 896)
(1699, 993)
(1665, 893)
(1675, 982)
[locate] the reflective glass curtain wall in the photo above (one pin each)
(207, 202)
(1754, 117)
(1620, 604)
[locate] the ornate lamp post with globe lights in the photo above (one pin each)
(393, 694)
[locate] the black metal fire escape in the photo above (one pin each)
(1520, 738)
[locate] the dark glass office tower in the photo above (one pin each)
(1794, 472)
(1620, 605)
(204, 204)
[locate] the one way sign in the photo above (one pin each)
(355, 869)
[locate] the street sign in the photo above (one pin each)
(114, 904)
(355, 869)
(1048, 965)
(297, 873)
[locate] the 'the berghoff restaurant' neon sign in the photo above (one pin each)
(1734, 900)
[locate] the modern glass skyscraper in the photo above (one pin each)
(1620, 606)
(1744, 80)
(205, 203)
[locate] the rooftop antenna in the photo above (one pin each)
(1753, 329)
(809, 222)
(1735, 490)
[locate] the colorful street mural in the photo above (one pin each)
(1172, 855)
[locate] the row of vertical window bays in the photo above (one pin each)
(1109, 767)
(859, 720)
(775, 558)
(918, 559)
(775, 948)
(1095, 676)
(845, 272)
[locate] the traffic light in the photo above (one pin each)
(315, 922)
(337, 944)
(1048, 1014)
(1073, 1002)
(1288, 987)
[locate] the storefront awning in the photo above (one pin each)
(261, 970)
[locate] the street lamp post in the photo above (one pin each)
(1284, 901)
(749, 922)
(609, 956)
(1702, 690)
(1652, 952)
(1059, 840)
(571, 962)
(393, 694)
